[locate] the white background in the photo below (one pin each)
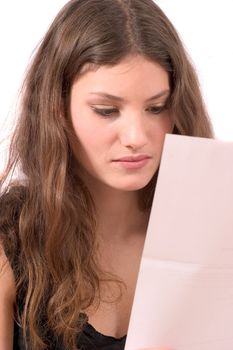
(205, 27)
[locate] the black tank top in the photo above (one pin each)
(89, 339)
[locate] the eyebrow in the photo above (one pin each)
(121, 99)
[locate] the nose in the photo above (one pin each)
(133, 132)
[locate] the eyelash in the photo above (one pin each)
(108, 112)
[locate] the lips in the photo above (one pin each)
(133, 158)
(132, 162)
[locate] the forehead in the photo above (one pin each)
(133, 72)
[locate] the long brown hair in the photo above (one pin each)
(47, 218)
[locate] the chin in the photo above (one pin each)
(133, 186)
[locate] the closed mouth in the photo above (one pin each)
(136, 158)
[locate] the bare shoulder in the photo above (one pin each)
(6, 277)
(7, 299)
(10, 207)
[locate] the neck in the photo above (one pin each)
(118, 213)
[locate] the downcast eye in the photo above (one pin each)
(105, 112)
(157, 109)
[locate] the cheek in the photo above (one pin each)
(82, 126)
(163, 127)
(90, 138)
(168, 123)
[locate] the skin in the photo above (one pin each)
(131, 125)
(7, 298)
(133, 128)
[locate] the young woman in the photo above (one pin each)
(108, 81)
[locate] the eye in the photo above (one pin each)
(157, 109)
(105, 112)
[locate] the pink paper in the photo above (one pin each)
(184, 294)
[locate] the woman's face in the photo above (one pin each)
(120, 119)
